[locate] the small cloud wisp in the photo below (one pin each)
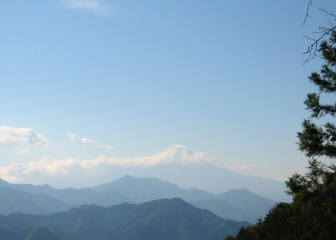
(83, 141)
(95, 6)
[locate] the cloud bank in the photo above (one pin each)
(48, 169)
(21, 138)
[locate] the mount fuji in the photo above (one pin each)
(178, 164)
(190, 169)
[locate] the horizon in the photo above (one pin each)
(156, 179)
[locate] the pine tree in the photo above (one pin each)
(319, 140)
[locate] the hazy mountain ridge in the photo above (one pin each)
(172, 165)
(226, 210)
(255, 204)
(12, 201)
(239, 205)
(142, 189)
(166, 219)
(71, 196)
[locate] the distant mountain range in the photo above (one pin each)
(191, 169)
(72, 196)
(160, 219)
(178, 164)
(239, 205)
(12, 201)
(143, 189)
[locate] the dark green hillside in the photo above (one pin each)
(31, 233)
(168, 219)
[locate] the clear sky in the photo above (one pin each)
(126, 79)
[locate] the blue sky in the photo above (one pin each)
(222, 77)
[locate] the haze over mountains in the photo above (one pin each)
(13, 201)
(178, 164)
(138, 207)
(239, 205)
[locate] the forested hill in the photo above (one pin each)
(160, 219)
(29, 233)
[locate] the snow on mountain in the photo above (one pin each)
(179, 154)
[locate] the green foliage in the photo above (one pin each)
(311, 181)
(320, 140)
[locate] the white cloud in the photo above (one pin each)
(96, 6)
(61, 169)
(108, 147)
(23, 151)
(21, 138)
(249, 168)
(83, 141)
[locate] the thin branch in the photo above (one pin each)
(328, 13)
(313, 48)
(307, 12)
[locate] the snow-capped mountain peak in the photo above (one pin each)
(182, 155)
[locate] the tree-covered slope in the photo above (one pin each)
(30, 233)
(168, 219)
